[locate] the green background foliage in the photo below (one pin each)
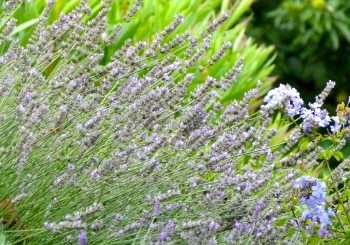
(155, 14)
(312, 40)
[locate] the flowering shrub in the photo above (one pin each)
(127, 153)
(315, 201)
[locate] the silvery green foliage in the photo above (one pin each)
(125, 152)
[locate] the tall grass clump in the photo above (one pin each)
(138, 145)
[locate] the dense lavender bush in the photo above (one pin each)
(126, 153)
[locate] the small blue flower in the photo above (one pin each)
(337, 125)
(319, 191)
(313, 194)
(314, 118)
(285, 96)
(330, 212)
(322, 215)
(306, 214)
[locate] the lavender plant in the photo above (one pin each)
(157, 14)
(127, 153)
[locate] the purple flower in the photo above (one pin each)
(82, 238)
(330, 212)
(322, 215)
(314, 118)
(307, 214)
(95, 174)
(212, 241)
(118, 217)
(323, 232)
(236, 224)
(289, 98)
(162, 236)
(307, 126)
(157, 207)
(319, 191)
(313, 194)
(304, 182)
(170, 226)
(259, 205)
(212, 226)
(284, 95)
(337, 125)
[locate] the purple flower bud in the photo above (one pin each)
(323, 232)
(162, 236)
(82, 239)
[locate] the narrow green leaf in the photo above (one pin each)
(24, 26)
(303, 144)
(344, 29)
(334, 39)
(338, 155)
(3, 240)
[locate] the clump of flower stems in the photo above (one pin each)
(126, 153)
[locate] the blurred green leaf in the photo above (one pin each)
(303, 143)
(24, 26)
(344, 29)
(334, 39)
(338, 155)
(3, 240)
(70, 6)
